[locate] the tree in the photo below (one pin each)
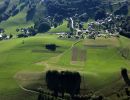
(32, 31)
(84, 17)
(80, 25)
(42, 25)
(125, 76)
(52, 79)
(125, 27)
(67, 8)
(51, 47)
(122, 10)
(70, 83)
(58, 18)
(127, 91)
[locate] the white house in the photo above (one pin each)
(1, 35)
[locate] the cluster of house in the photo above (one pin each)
(23, 32)
(107, 27)
(4, 36)
(26, 32)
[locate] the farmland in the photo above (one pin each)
(96, 53)
(101, 68)
(17, 57)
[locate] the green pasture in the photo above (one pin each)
(99, 71)
(60, 28)
(104, 61)
(16, 56)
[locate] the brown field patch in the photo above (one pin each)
(103, 42)
(75, 54)
(83, 54)
(78, 55)
(28, 76)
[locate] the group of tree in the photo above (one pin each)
(69, 82)
(48, 96)
(68, 8)
(63, 82)
(125, 27)
(42, 25)
(51, 47)
(100, 14)
(123, 10)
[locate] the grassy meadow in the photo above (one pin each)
(18, 57)
(101, 70)
(60, 28)
(28, 55)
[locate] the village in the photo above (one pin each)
(107, 27)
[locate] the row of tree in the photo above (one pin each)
(63, 82)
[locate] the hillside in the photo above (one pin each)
(82, 38)
(29, 11)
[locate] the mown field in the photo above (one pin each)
(18, 57)
(100, 72)
(24, 61)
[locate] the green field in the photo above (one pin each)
(60, 28)
(21, 63)
(18, 57)
(24, 61)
